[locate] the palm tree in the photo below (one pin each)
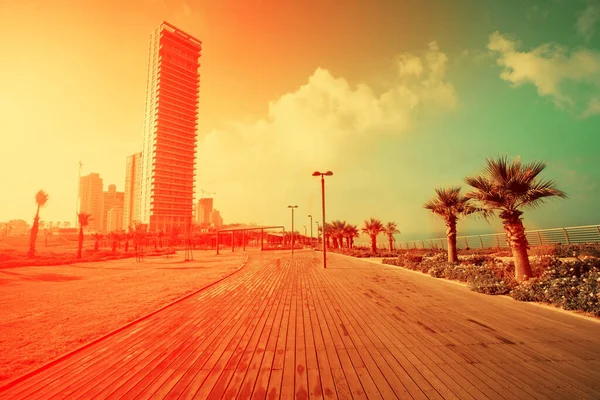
(507, 186)
(127, 236)
(326, 231)
(373, 227)
(390, 229)
(84, 220)
(41, 198)
(114, 240)
(175, 231)
(97, 238)
(337, 233)
(351, 233)
(450, 205)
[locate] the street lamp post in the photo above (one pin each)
(292, 207)
(323, 175)
(311, 235)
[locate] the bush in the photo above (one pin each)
(475, 259)
(545, 250)
(573, 285)
(570, 285)
(494, 277)
(577, 250)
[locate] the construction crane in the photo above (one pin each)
(204, 193)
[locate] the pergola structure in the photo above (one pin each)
(244, 233)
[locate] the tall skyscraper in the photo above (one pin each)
(216, 219)
(131, 201)
(112, 200)
(203, 210)
(91, 200)
(114, 219)
(169, 142)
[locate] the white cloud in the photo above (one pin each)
(326, 123)
(593, 108)
(587, 20)
(550, 67)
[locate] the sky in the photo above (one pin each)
(395, 97)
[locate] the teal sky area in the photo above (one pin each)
(495, 118)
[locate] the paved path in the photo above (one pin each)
(284, 328)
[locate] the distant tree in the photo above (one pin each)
(97, 238)
(114, 240)
(450, 205)
(41, 198)
(84, 220)
(373, 228)
(175, 231)
(128, 236)
(327, 231)
(507, 186)
(337, 233)
(390, 229)
(46, 234)
(350, 233)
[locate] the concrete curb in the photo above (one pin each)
(114, 332)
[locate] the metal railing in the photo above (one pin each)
(568, 235)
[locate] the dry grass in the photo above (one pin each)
(48, 311)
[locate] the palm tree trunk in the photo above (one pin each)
(451, 237)
(80, 241)
(391, 244)
(515, 234)
(34, 232)
(373, 244)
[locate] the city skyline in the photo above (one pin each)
(446, 85)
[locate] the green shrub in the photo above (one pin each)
(577, 250)
(475, 259)
(570, 285)
(544, 250)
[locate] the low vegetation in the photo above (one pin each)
(567, 276)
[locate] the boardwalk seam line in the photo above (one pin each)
(114, 332)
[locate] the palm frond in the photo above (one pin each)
(41, 198)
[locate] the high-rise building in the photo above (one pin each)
(203, 210)
(169, 142)
(112, 200)
(91, 200)
(132, 190)
(216, 219)
(114, 219)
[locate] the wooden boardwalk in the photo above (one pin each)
(286, 328)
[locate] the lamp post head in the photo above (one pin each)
(292, 206)
(317, 173)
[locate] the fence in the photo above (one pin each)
(570, 235)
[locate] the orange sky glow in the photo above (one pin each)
(74, 84)
(396, 97)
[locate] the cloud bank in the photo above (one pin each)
(327, 123)
(557, 72)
